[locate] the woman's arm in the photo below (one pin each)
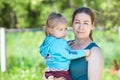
(95, 64)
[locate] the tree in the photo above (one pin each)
(33, 13)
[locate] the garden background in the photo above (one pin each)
(22, 47)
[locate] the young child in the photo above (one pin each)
(55, 48)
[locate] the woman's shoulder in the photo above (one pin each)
(92, 45)
(95, 50)
(96, 53)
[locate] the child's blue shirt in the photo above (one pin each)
(58, 53)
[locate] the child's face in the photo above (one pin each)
(59, 31)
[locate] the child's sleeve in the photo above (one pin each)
(68, 53)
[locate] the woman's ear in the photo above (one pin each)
(93, 26)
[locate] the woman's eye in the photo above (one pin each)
(86, 23)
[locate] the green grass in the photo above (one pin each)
(25, 63)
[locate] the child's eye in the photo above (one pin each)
(61, 29)
(76, 22)
(66, 28)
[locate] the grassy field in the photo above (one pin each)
(25, 63)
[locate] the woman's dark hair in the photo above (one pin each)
(86, 11)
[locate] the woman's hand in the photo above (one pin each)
(60, 78)
(51, 78)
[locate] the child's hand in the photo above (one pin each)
(88, 52)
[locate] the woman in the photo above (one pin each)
(89, 68)
(86, 68)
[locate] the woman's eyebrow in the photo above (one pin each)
(84, 21)
(87, 21)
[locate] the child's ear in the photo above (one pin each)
(50, 30)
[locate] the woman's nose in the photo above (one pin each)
(81, 26)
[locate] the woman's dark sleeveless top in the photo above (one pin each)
(79, 67)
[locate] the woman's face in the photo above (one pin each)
(82, 25)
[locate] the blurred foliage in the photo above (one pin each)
(25, 63)
(33, 13)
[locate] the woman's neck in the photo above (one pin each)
(82, 42)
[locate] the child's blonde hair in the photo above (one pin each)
(54, 19)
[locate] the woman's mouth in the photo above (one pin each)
(80, 31)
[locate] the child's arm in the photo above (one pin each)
(73, 54)
(64, 49)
